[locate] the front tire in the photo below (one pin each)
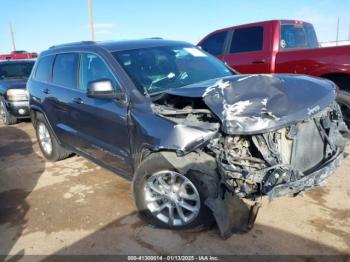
(48, 142)
(168, 199)
(6, 117)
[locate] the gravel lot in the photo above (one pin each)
(76, 207)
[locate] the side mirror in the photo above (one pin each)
(103, 89)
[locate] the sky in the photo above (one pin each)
(39, 24)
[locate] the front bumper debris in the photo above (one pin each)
(232, 214)
(309, 181)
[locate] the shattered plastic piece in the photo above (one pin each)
(307, 182)
(232, 215)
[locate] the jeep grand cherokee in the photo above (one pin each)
(186, 129)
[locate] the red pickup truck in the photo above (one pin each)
(282, 46)
(20, 54)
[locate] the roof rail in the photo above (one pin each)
(74, 44)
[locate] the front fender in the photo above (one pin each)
(154, 133)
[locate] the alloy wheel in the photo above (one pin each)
(172, 198)
(45, 138)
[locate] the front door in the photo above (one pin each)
(101, 124)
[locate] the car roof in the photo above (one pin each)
(120, 45)
(261, 23)
(17, 61)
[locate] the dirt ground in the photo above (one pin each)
(76, 207)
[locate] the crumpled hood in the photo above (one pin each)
(14, 83)
(251, 104)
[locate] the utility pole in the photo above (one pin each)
(12, 36)
(91, 20)
(336, 43)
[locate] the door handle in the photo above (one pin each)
(258, 62)
(78, 100)
(46, 91)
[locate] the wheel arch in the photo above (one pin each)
(34, 112)
(342, 80)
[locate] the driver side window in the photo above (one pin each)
(92, 68)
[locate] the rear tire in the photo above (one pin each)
(154, 165)
(48, 142)
(6, 117)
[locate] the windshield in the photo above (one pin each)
(156, 69)
(15, 70)
(298, 36)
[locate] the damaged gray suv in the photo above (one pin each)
(195, 137)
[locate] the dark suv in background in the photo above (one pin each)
(14, 102)
(186, 129)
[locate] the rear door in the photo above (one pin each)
(101, 125)
(59, 94)
(247, 52)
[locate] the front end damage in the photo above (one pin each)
(283, 162)
(275, 136)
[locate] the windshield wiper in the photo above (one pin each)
(169, 76)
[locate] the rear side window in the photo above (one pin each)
(247, 40)
(43, 70)
(65, 70)
(214, 44)
(298, 36)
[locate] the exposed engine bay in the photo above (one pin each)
(269, 163)
(288, 153)
(253, 165)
